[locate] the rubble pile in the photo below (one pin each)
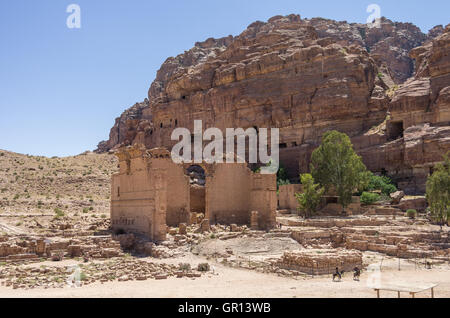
(119, 269)
(25, 248)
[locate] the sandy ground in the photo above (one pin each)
(239, 283)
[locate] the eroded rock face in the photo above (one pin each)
(421, 107)
(275, 74)
(125, 127)
(307, 77)
(389, 44)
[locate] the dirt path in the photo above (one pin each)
(11, 230)
(238, 283)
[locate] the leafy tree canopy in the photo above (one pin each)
(438, 191)
(310, 199)
(336, 165)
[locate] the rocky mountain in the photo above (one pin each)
(308, 76)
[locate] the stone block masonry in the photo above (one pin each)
(151, 192)
(321, 262)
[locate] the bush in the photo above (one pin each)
(382, 183)
(368, 198)
(185, 267)
(412, 214)
(203, 267)
(83, 276)
(59, 213)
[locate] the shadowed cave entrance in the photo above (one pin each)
(396, 130)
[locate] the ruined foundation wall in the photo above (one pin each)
(321, 262)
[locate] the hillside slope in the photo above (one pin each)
(72, 189)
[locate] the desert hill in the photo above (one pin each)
(72, 188)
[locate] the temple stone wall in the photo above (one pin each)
(264, 199)
(151, 192)
(197, 199)
(228, 194)
(286, 197)
(178, 191)
(138, 200)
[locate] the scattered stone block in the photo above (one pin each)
(397, 197)
(205, 226)
(182, 230)
(234, 228)
(161, 276)
(417, 203)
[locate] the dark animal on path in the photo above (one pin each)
(356, 274)
(338, 275)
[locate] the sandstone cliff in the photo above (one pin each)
(307, 77)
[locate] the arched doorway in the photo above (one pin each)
(197, 181)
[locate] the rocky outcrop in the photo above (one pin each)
(307, 77)
(125, 127)
(420, 117)
(389, 44)
(436, 31)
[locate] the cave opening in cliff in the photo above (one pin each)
(396, 130)
(197, 194)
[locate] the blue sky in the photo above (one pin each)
(61, 88)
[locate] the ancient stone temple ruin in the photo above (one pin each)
(151, 192)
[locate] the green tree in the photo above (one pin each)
(336, 165)
(309, 200)
(438, 192)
